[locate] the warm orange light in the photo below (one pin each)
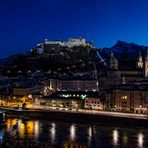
(30, 128)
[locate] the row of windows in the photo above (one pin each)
(94, 105)
(92, 102)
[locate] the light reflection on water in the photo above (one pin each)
(57, 133)
(125, 139)
(53, 132)
(140, 140)
(90, 132)
(115, 137)
(72, 132)
(36, 130)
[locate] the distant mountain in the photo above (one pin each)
(124, 51)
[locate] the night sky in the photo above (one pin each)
(24, 23)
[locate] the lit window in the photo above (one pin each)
(124, 97)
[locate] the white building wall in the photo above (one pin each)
(72, 42)
(78, 85)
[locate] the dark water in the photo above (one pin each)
(40, 133)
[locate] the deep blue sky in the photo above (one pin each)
(24, 23)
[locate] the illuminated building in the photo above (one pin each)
(128, 98)
(72, 42)
(73, 85)
(94, 103)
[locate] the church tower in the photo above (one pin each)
(139, 61)
(146, 65)
(113, 64)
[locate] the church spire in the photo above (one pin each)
(113, 61)
(146, 57)
(146, 64)
(111, 53)
(139, 60)
(139, 53)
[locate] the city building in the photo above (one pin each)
(94, 103)
(128, 98)
(72, 42)
(71, 85)
(126, 87)
(25, 90)
(74, 72)
(62, 100)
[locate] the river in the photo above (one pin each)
(38, 133)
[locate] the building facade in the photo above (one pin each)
(128, 99)
(72, 42)
(94, 103)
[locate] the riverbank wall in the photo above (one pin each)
(78, 117)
